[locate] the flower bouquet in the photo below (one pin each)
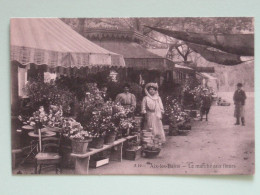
(38, 120)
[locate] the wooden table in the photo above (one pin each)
(82, 160)
(45, 133)
(27, 127)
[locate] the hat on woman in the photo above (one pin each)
(239, 85)
(153, 85)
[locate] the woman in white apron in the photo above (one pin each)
(153, 109)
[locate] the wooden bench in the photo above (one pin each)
(82, 160)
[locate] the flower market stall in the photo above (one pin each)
(41, 45)
(91, 126)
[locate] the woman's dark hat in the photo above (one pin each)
(239, 85)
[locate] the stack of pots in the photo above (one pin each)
(147, 137)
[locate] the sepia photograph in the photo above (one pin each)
(132, 96)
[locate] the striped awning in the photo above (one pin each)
(51, 42)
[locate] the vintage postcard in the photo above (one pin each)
(132, 96)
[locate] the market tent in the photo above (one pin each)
(128, 44)
(216, 56)
(51, 42)
(136, 56)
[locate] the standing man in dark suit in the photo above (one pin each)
(239, 101)
(205, 104)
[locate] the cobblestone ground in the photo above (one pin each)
(213, 147)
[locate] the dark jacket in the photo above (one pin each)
(206, 101)
(239, 97)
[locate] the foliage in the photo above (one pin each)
(39, 118)
(92, 102)
(79, 85)
(55, 116)
(52, 118)
(101, 122)
(191, 90)
(46, 94)
(174, 112)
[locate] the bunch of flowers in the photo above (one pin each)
(55, 117)
(191, 90)
(74, 130)
(39, 118)
(101, 121)
(91, 104)
(121, 112)
(127, 125)
(174, 112)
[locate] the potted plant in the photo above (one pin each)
(78, 136)
(97, 133)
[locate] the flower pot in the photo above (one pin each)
(110, 138)
(79, 146)
(97, 143)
